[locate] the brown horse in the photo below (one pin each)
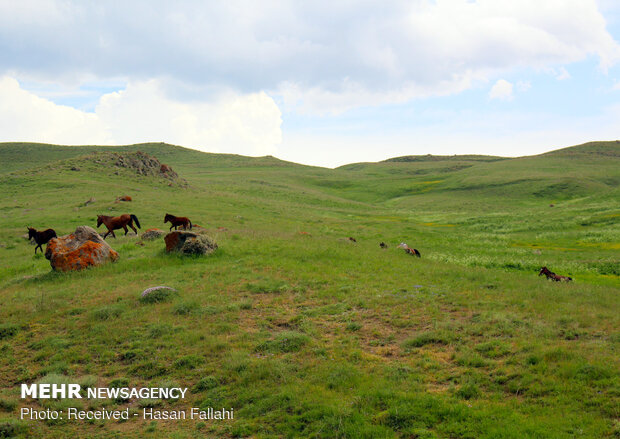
(118, 222)
(409, 250)
(41, 237)
(177, 221)
(555, 277)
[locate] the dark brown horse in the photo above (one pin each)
(118, 222)
(41, 237)
(555, 277)
(409, 250)
(177, 221)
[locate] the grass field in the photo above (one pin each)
(310, 334)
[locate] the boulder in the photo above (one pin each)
(189, 243)
(157, 294)
(82, 249)
(152, 234)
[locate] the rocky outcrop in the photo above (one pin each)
(167, 171)
(189, 243)
(152, 234)
(138, 163)
(82, 249)
(144, 164)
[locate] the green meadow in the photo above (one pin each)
(304, 332)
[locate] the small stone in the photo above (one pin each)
(152, 234)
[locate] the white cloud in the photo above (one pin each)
(27, 117)
(336, 55)
(501, 90)
(245, 124)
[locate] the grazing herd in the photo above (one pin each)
(112, 223)
(128, 220)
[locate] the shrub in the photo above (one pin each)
(185, 308)
(188, 362)
(8, 330)
(205, 383)
(107, 313)
(426, 338)
(287, 341)
(157, 294)
(354, 326)
(468, 391)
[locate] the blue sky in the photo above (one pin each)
(322, 83)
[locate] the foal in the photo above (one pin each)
(177, 221)
(555, 277)
(41, 237)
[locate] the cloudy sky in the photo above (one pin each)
(321, 82)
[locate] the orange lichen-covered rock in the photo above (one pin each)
(82, 249)
(189, 243)
(175, 240)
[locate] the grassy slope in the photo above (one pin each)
(315, 336)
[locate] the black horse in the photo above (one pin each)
(41, 237)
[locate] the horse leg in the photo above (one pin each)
(38, 246)
(133, 228)
(113, 235)
(125, 227)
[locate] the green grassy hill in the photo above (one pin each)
(304, 332)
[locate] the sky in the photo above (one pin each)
(322, 83)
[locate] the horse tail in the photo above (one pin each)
(54, 235)
(135, 218)
(417, 253)
(190, 223)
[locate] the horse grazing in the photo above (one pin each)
(177, 221)
(409, 250)
(41, 237)
(118, 222)
(383, 245)
(555, 277)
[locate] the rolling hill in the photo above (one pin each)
(304, 332)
